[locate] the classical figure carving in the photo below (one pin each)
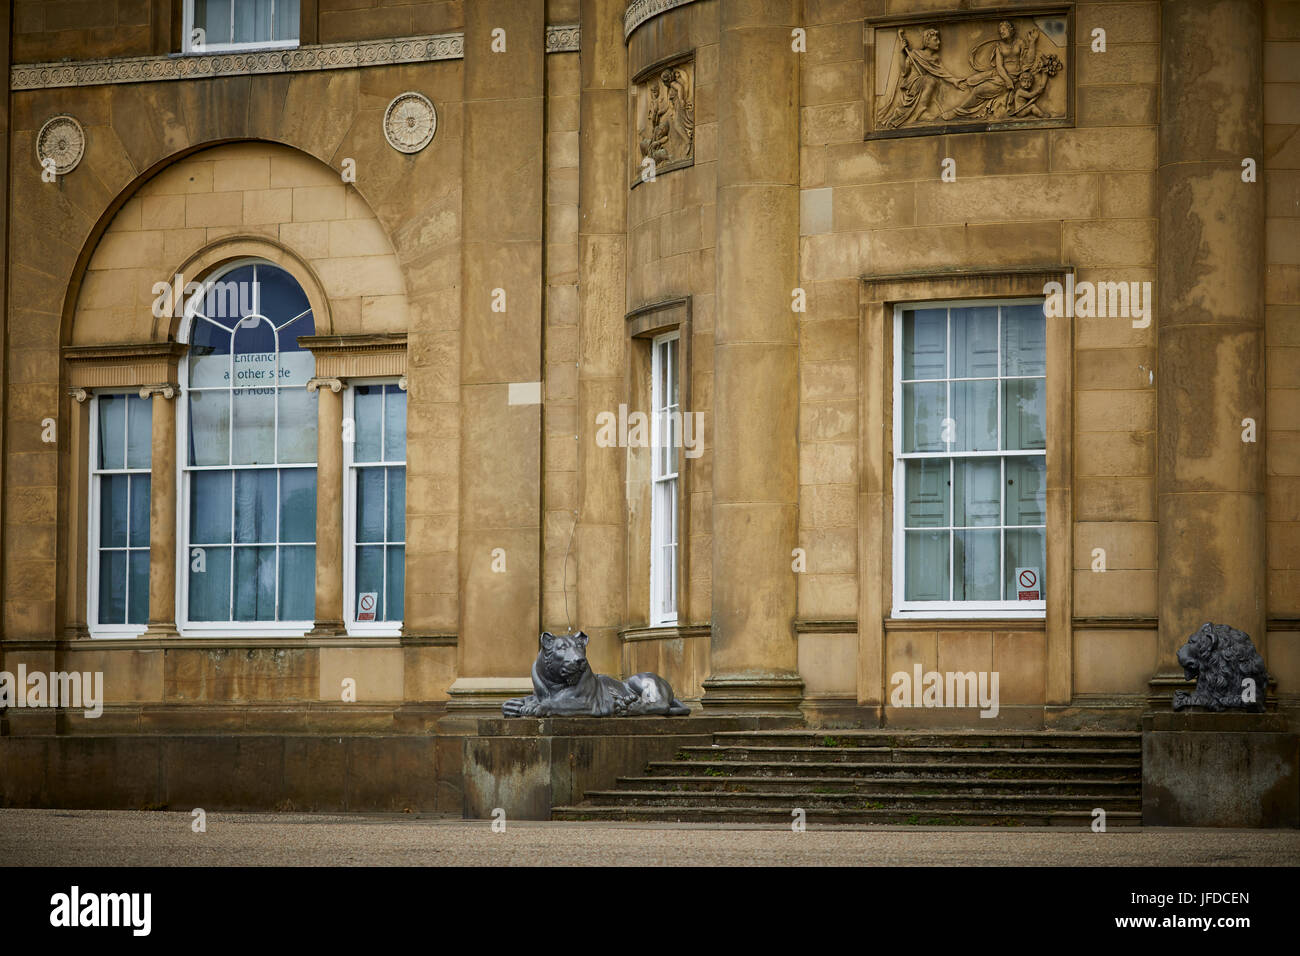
(1005, 77)
(665, 115)
(1229, 672)
(564, 686)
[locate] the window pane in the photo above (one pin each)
(1024, 340)
(367, 416)
(370, 504)
(139, 605)
(925, 343)
(286, 20)
(926, 489)
(112, 511)
(254, 426)
(396, 504)
(394, 424)
(975, 342)
(975, 565)
(112, 425)
(281, 299)
(924, 407)
(209, 355)
(296, 368)
(210, 507)
(1026, 490)
(298, 505)
(977, 493)
(255, 584)
(112, 587)
(1024, 550)
(1024, 413)
(252, 21)
(139, 531)
(298, 583)
(209, 428)
(393, 605)
(210, 587)
(214, 17)
(370, 574)
(297, 425)
(139, 434)
(926, 574)
(975, 415)
(255, 500)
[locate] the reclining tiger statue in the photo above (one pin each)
(564, 686)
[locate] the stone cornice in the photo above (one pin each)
(639, 11)
(326, 56)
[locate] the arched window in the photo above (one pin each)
(248, 454)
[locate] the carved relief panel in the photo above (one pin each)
(971, 72)
(663, 119)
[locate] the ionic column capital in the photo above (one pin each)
(335, 385)
(79, 395)
(168, 390)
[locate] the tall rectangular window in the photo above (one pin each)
(121, 457)
(375, 506)
(213, 26)
(970, 495)
(665, 440)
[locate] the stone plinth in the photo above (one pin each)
(1219, 770)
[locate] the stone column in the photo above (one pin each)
(602, 341)
(329, 504)
(1210, 372)
(162, 510)
(756, 383)
(501, 352)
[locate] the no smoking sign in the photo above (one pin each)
(366, 602)
(1027, 588)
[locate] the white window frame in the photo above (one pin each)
(189, 49)
(659, 529)
(966, 610)
(350, 467)
(95, 628)
(185, 627)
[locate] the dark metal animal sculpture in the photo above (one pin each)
(1229, 672)
(564, 686)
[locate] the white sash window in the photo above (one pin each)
(665, 442)
(970, 446)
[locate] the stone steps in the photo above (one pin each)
(1114, 756)
(993, 771)
(1011, 778)
(782, 817)
(1100, 788)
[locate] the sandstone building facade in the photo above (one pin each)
(351, 343)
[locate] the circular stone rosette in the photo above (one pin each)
(410, 122)
(63, 140)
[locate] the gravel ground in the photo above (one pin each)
(132, 838)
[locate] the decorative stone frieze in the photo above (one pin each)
(325, 56)
(639, 11)
(663, 119)
(971, 72)
(563, 38)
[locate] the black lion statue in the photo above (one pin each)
(564, 686)
(1222, 659)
